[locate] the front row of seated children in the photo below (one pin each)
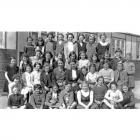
(85, 97)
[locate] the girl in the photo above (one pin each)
(58, 57)
(23, 63)
(130, 69)
(92, 75)
(48, 58)
(81, 45)
(29, 49)
(91, 46)
(128, 98)
(84, 97)
(47, 78)
(37, 58)
(50, 44)
(10, 71)
(94, 60)
(82, 75)
(52, 98)
(107, 73)
(67, 98)
(103, 46)
(99, 90)
(69, 46)
(83, 61)
(27, 82)
(35, 75)
(113, 96)
(16, 100)
(72, 57)
(59, 75)
(59, 44)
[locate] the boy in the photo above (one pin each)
(16, 100)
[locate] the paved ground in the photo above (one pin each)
(3, 97)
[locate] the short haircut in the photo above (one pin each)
(70, 34)
(113, 83)
(37, 86)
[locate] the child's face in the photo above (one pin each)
(40, 42)
(72, 56)
(37, 90)
(106, 66)
(103, 38)
(47, 68)
(38, 54)
(60, 64)
(92, 69)
(85, 87)
(60, 56)
(60, 37)
(29, 40)
(100, 81)
(48, 56)
(13, 62)
(113, 87)
(81, 38)
(91, 39)
(55, 89)
(125, 89)
(28, 69)
(73, 65)
(94, 58)
(70, 38)
(119, 67)
(68, 87)
(82, 56)
(37, 67)
(16, 90)
(84, 71)
(50, 37)
(16, 81)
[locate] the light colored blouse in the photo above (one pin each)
(35, 77)
(92, 77)
(83, 63)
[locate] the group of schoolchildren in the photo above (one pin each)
(70, 75)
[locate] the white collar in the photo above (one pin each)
(103, 43)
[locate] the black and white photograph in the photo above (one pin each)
(69, 70)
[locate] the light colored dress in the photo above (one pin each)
(92, 77)
(35, 77)
(83, 63)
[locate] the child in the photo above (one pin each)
(58, 57)
(16, 100)
(91, 46)
(107, 73)
(60, 44)
(35, 75)
(92, 75)
(120, 76)
(16, 82)
(130, 69)
(52, 98)
(83, 61)
(94, 60)
(10, 71)
(113, 96)
(82, 74)
(23, 63)
(128, 98)
(36, 58)
(103, 46)
(29, 49)
(40, 44)
(37, 99)
(99, 91)
(27, 82)
(67, 98)
(47, 78)
(84, 97)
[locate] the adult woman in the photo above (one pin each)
(69, 46)
(102, 47)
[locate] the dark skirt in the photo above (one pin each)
(5, 88)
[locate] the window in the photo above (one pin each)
(2, 40)
(128, 44)
(11, 40)
(133, 48)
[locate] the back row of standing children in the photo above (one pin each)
(68, 74)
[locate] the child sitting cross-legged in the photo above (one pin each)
(16, 100)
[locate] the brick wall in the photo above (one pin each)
(4, 60)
